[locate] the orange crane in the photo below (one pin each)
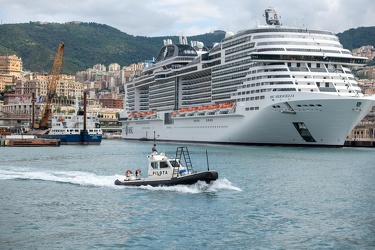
(51, 88)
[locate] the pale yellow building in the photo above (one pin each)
(11, 65)
(38, 84)
(10, 70)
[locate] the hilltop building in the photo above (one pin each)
(365, 51)
(10, 70)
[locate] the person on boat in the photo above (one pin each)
(154, 148)
(138, 174)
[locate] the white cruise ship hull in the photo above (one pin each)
(327, 120)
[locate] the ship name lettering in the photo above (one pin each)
(159, 172)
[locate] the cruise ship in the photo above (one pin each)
(270, 85)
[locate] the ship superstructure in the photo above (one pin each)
(267, 85)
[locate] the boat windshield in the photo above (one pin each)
(163, 164)
(174, 163)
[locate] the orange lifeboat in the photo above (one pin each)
(183, 109)
(150, 112)
(213, 107)
(192, 109)
(131, 115)
(175, 113)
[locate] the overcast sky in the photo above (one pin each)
(192, 17)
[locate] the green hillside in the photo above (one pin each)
(355, 38)
(86, 44)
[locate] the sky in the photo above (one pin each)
(192, 17)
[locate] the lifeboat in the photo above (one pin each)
(150, 112)
(143, 114)
(202, 110)
(131, 115)
(191, 110)
(183, 109)
(60, 119)
(175, 113)
(226, 106)
(213, 107)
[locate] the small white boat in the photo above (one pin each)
(165, 171)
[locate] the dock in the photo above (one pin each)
(362, 142)
(27, 141)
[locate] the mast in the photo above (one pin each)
(84, 111)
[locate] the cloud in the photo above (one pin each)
(191, 17)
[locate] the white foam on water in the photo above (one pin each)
(199, 187)
(73, 177)
(91, 179)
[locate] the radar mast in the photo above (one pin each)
(271, 16)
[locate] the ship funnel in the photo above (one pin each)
(271, 16)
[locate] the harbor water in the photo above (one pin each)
(265, 198)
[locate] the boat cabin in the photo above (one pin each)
(162, 167)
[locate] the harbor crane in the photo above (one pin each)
(51, 87)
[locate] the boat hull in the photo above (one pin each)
(206, 176)
(77, 139)
(328, 120)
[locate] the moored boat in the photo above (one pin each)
(268, 85)
(78, 128)
(165, 171)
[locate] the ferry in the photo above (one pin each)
(76, 128)
(269, 85)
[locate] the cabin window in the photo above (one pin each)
(154, 165)
(163, 164)
(174, 163)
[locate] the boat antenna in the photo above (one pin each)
(208, 166)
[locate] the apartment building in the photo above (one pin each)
(10, 70)
(38, 83)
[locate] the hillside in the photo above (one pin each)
(86, 44)
(355, 38)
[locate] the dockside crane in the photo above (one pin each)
(51, 87)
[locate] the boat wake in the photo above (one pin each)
(199, 187)
(90, 179)
(72, 177)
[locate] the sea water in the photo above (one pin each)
(265, 198)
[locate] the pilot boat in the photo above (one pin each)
(165, 171)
